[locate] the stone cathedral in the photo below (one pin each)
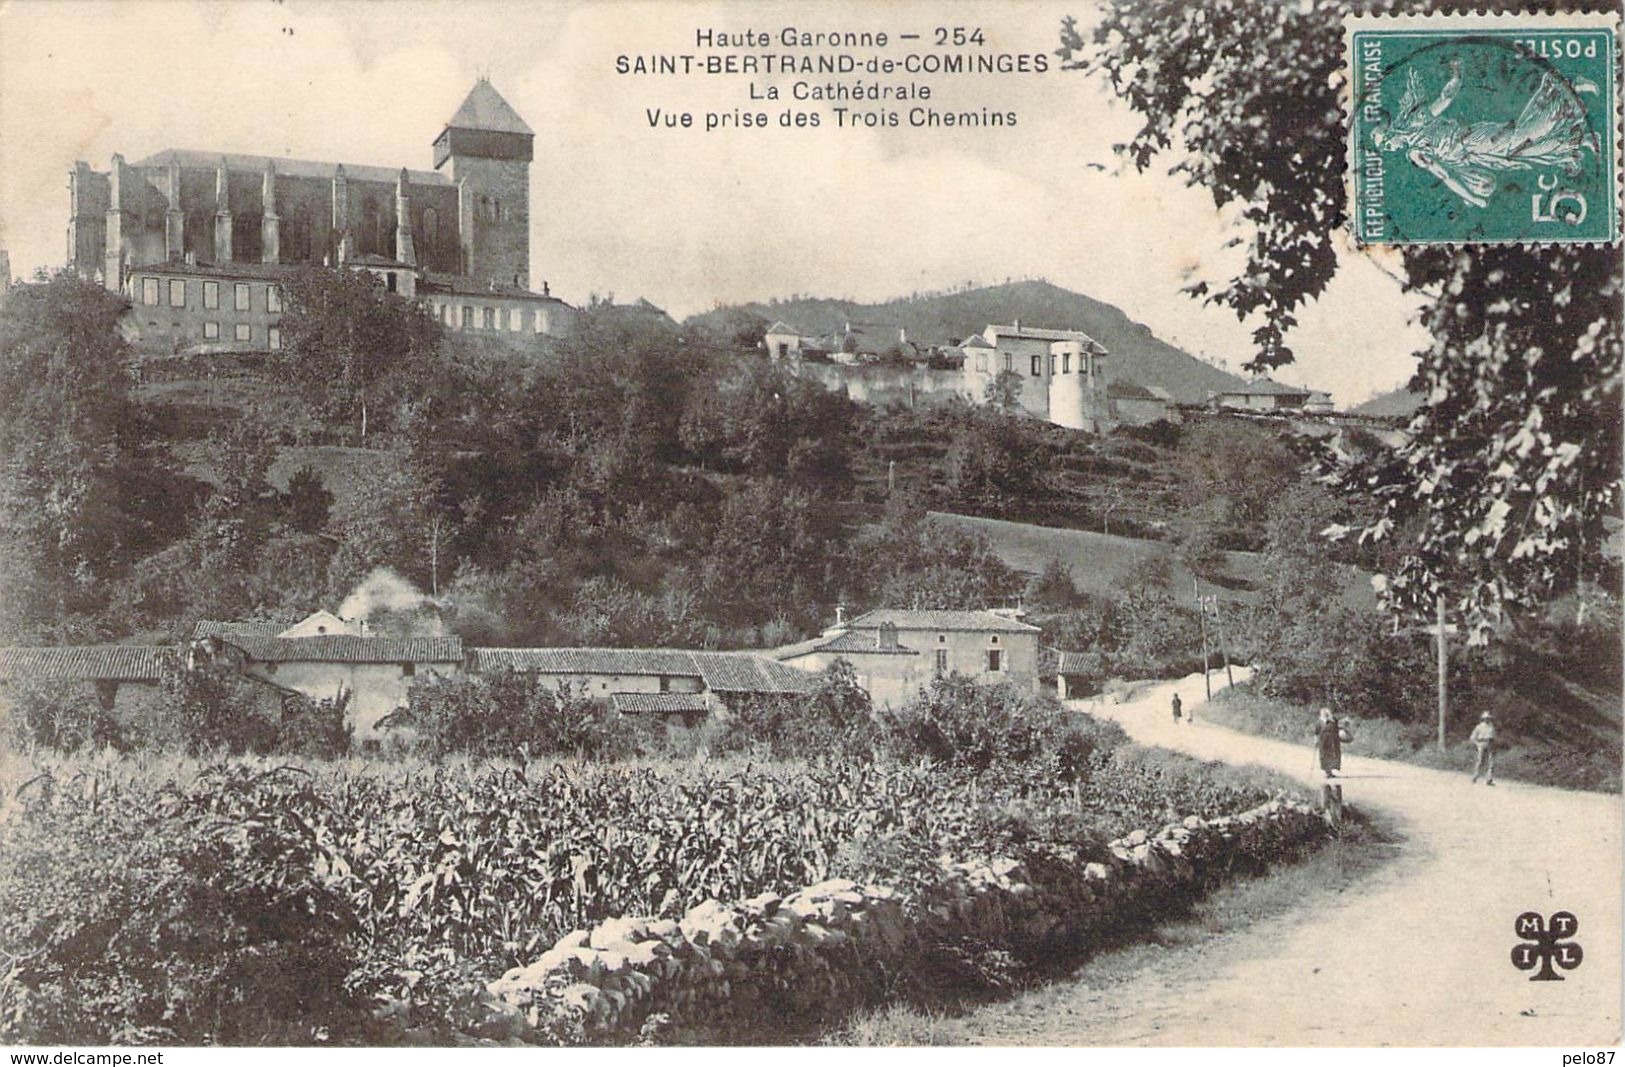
(197, 239)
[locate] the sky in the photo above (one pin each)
(686, 218)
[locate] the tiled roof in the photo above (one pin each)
(459, 285)
(744, 672)
(724, 672)
(781, 327)
(1073, 663)
(348, 648)
(1042, 335)
(484, 109)
(268, 271)
(610, 661)
(1264, 387)
(658, 703)
(976, 340)
(211, 628)
(858, 641)
(113, 663)
(906, 619)
(293, 168)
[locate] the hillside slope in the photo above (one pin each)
(1137, 354)
(1400, 403)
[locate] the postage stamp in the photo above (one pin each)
(1484, 129)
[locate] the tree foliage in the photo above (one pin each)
(1513, 463)
(351, 347)
(82, 492)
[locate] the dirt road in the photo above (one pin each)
(1417, 954)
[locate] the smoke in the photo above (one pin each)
(392, 606)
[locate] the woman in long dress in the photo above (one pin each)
(1328, 745)
(1551, 131)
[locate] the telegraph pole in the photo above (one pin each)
(1201, 610)
(1224, 646)
(1444, 696)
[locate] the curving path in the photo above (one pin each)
(1417, 953)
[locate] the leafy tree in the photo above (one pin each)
(914, 561)
(350, 346)
(307, 502)
(1511, 468)
(1004, 390)
(82, 491)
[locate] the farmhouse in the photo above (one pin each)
(374, 672)
(651, 681)
(1265, 394)
(118, 677)
(895, 652)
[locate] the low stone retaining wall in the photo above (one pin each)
(724, 971)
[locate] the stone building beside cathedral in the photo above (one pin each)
(198, 240)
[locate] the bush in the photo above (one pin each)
(835, 718)
(509, 714)
(317, 728)
(199, 916)
(960, 723)
(63, 717)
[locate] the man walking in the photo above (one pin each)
(1484, 737)
(1177, 706)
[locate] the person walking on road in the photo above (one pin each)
(1483, 736)
(1328, 743)
(1178, 705)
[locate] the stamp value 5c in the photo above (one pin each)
(1484, 129)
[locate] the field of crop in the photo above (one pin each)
(252, 902)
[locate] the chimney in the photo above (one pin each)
(545, 291)
(840, 614)
(887, 638)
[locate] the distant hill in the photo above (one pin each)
(1137, 354)
(1399, 404)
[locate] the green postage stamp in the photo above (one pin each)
(1484, 129)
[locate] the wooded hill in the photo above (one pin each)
(1139, 354)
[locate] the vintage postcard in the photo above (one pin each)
(606, 524)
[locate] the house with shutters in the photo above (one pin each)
(896, 652)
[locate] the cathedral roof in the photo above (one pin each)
(484, 109)
(294, 168)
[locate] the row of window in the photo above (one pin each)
(995, 660)
(153, 292)
(469, 317)
(1038, 363)
(243, 331)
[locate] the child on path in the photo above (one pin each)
(1178, 704)
(1483, 736)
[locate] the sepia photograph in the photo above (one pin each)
(810, 523)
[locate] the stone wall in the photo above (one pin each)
(734, 972)
(883, 386)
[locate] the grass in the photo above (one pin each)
(1530, 749)
(1168, 950)
(1100, 562)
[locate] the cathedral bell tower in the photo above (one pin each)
(489, 148)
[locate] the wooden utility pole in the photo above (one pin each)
(1444, 696)
(1224, 646)
(1201, 610)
